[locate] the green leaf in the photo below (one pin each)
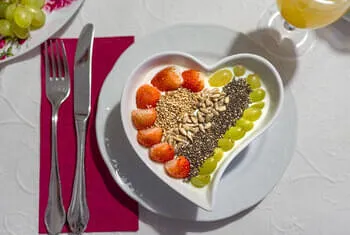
(9, 50)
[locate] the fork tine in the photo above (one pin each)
(46, 54)
(65, 62)
(53, 60)
(59, 61)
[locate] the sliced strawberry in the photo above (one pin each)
(162, 152)
(178, 167)
(143, 118)
(167, 79)
(147, 96)
(192, 80)
(150, 136)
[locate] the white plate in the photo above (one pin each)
(347, 16)
(249, 177)
(55, 20)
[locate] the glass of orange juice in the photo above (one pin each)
(294, 19)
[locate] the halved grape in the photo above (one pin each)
(33, 3)
(234, 133)
(39, 17)
(245, 124)
(259, 105)
(239, 70)
(208, 166)
(254, 81)
(5, 28)
(218, 154)
(226, 144)
(220, 78)
(21, 33)
(252, 114)
(22, 17)
(200, 181)
(257, 95)
(9, 11)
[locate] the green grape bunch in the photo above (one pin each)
(19, 17)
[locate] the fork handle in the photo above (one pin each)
(78, 212)
(54, 214)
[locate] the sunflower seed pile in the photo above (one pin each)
(211, 102)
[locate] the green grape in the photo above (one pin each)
(220, 78)
(245, 124)
(259, 105)
(200, 181)
(257, 95)
(208, 166)
(21, 33)
(254, 81)
(5, 28)
(252, 114)
(239, 70)
(33, 3)
(234, 133)
(9, 11)
(218, 154)
(22, 17)
(226, 144)
(39, 17)
(3, 7)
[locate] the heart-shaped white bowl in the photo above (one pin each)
(203, 197)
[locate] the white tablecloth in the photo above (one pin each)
(313, 197)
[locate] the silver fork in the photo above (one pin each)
(57, 90)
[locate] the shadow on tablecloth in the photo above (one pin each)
(262, 39)
(336, 35)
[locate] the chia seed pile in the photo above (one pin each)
(204, 144)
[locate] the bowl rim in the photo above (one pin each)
(206, 67)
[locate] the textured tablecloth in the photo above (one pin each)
(313, 197)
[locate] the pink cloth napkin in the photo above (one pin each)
(110, 208)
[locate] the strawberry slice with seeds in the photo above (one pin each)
(167, 79)
(143, 118)
(162, 152)
(149, 137)
(178, 168)
(147, 96)
(192, 80)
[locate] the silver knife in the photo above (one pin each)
(78, 212)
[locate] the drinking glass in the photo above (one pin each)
(294, 20)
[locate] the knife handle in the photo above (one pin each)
(78, 212)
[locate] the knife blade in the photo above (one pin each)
(82, 72)
(78, 211)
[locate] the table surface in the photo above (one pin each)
(313, 197)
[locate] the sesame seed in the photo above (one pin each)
(174, 104)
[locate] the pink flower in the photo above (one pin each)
(21, 41)
(52, 5)
(3, 57)
(2, 43)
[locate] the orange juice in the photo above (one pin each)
(312, 13)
